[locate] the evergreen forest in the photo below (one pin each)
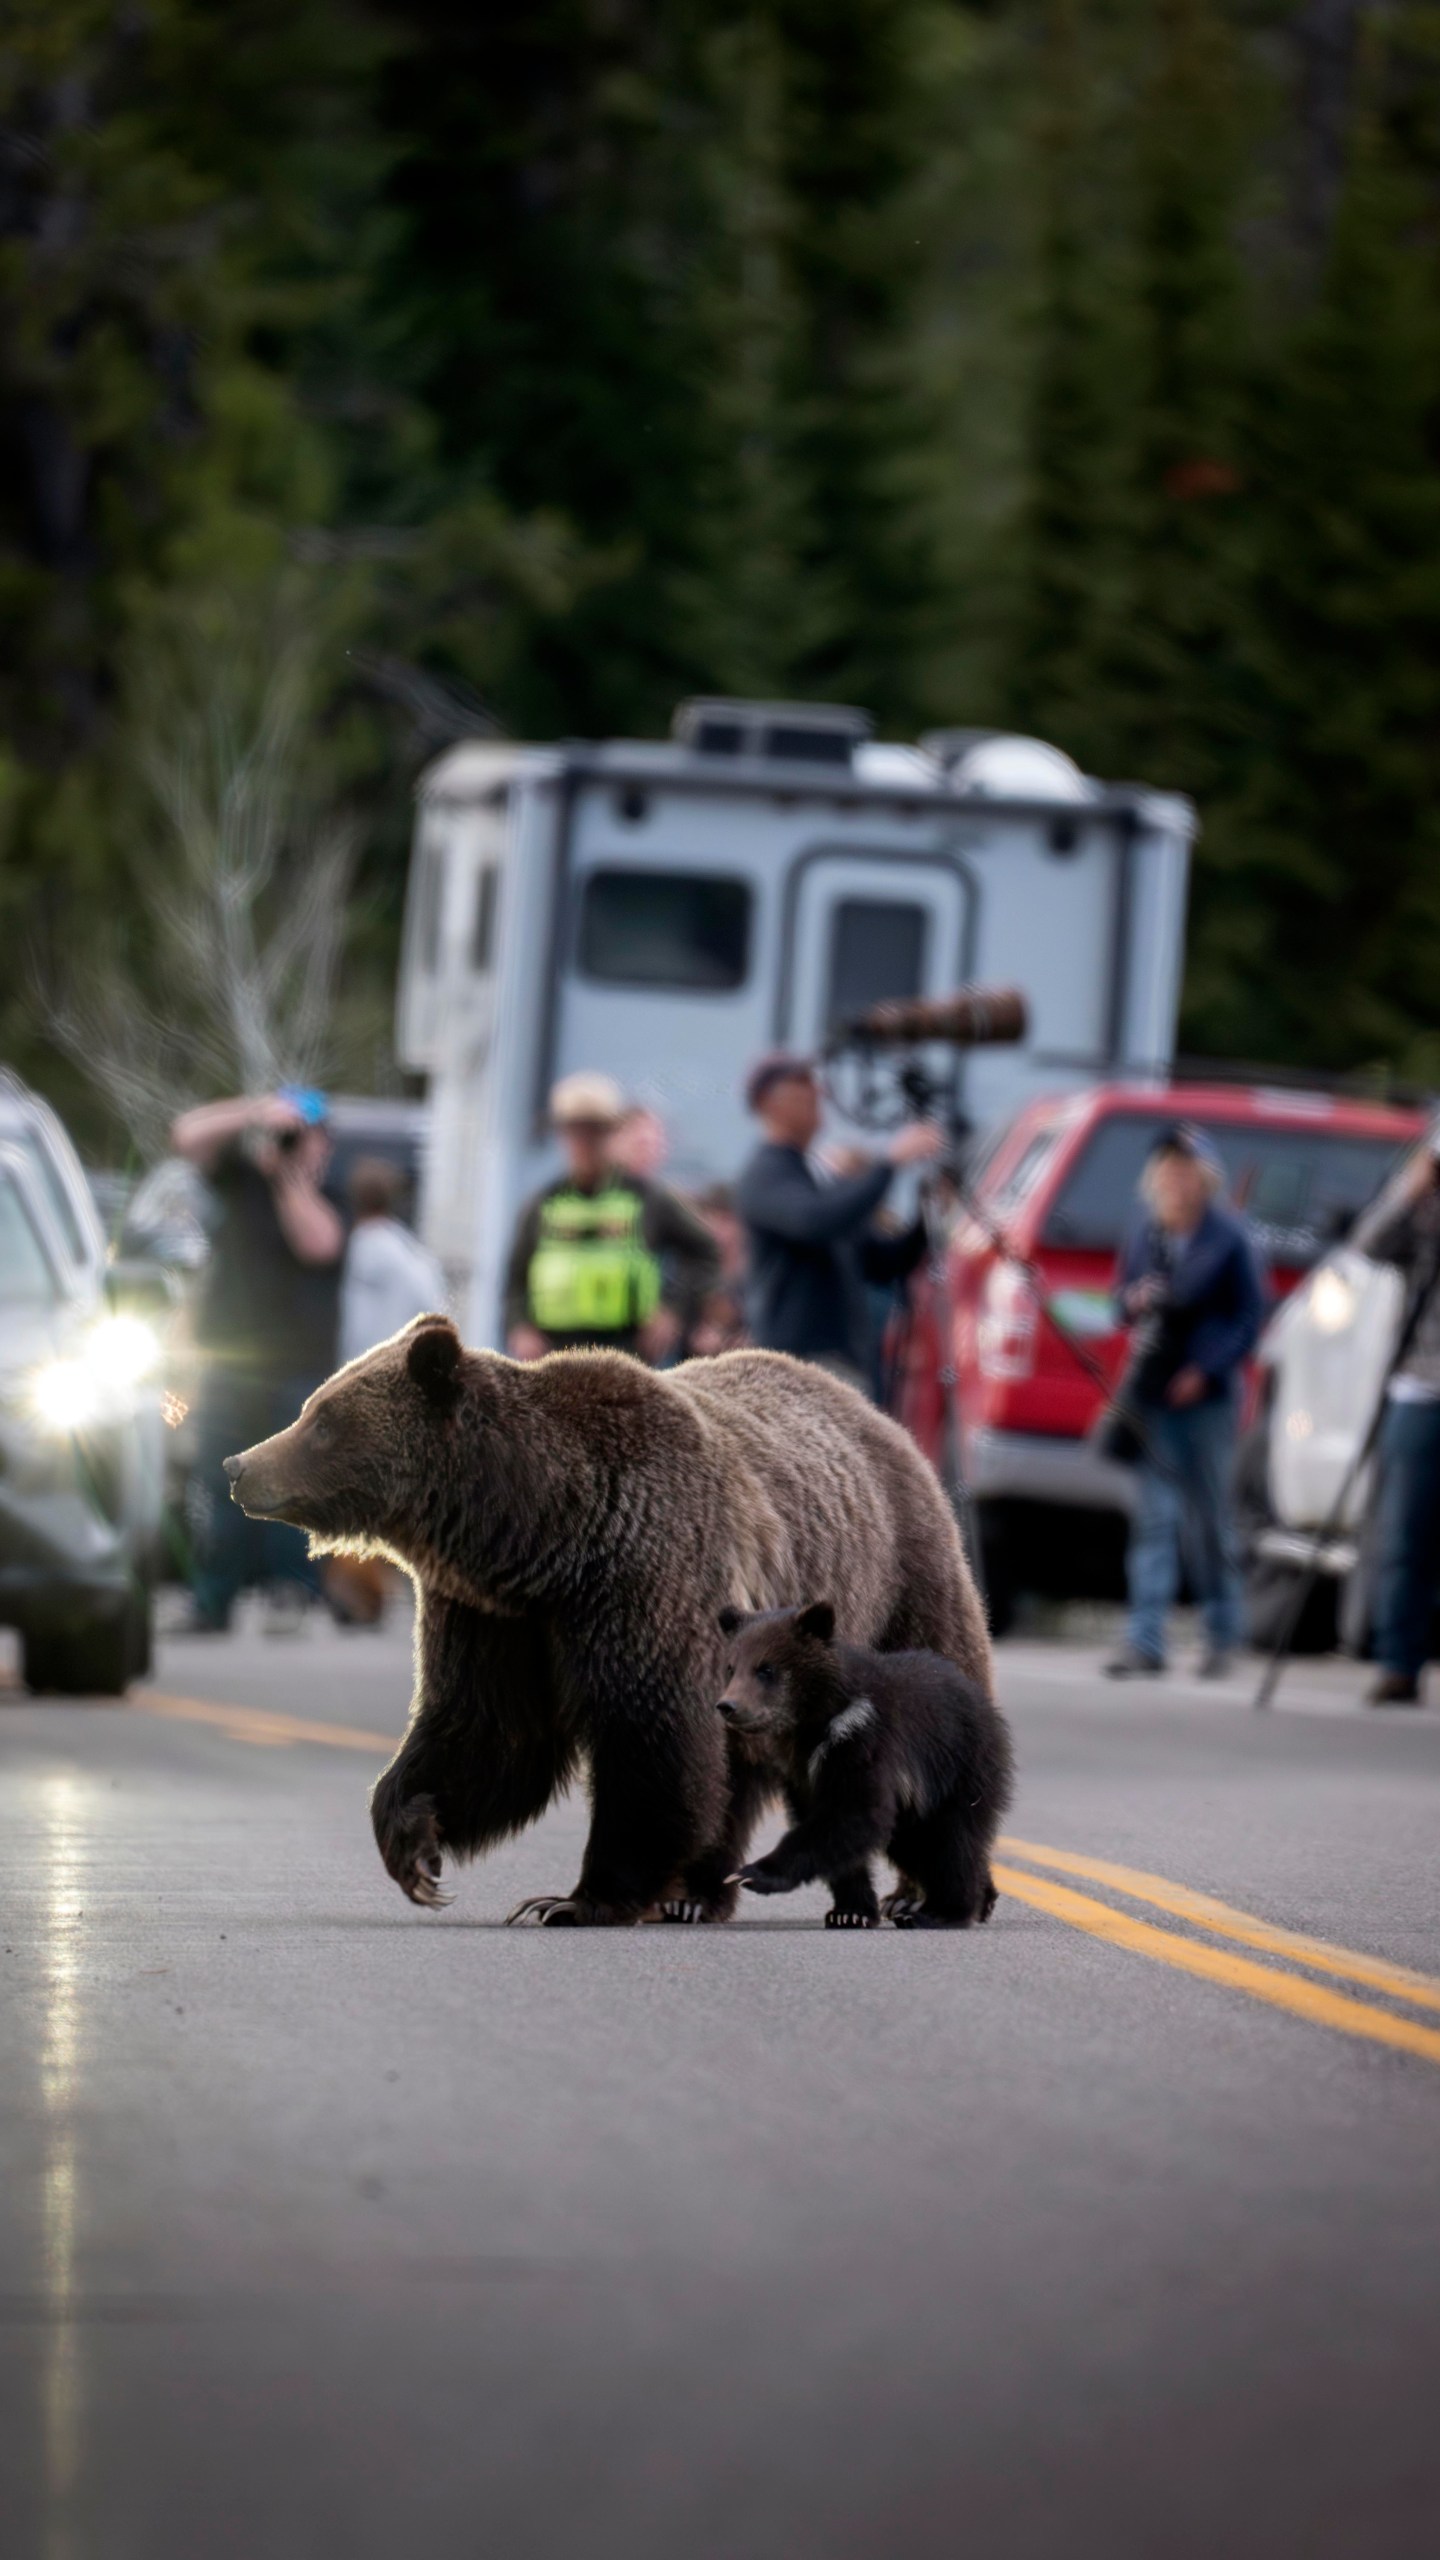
(371, 376)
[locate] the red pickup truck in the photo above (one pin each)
(1059, 1180)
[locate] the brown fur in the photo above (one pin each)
(573, 1529)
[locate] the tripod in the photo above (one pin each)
(1334, 1521)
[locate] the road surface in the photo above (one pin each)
(330, 2228)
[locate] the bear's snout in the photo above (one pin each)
(253, 1485)
(725, 1707)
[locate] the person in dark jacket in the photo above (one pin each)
(1189, 1276)
(812, 1245)
(265, 1325)
(1403, 1229)
(603, 1258)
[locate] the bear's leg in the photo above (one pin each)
(855, 1906)
(483, 1755)
(707, 1892)
(656, 1776)
(947, 1853)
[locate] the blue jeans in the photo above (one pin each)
(1409, 1530)
(232, 1552)
(1187, 1511)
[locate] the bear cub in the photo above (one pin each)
(896, 1752)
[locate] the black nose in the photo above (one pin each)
(234, 1468)
(723, 1707)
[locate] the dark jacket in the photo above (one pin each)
(682, 1244)
(810, 1256)
(261, 1309)
(1214, 1303)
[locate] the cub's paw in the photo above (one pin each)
(760, 1880)
(838, 1919)
(687, 1913)
(411, 1848)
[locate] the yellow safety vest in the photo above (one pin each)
(592, 1271)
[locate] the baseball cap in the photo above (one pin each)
(1185, 1138)
(773, 1068)
(308, 1103)
(586, 1097)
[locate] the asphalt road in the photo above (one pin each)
(330, 2228)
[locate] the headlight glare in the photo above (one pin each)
(123, 1350)
(97, 1382)
(1332, 1302)
(67, 1394)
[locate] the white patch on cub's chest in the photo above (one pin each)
(856, 1718)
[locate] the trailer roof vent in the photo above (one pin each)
(777, 732)
(985, 764)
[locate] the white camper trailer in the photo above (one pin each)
(665, 911)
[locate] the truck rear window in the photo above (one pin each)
(677, 929)
(1299, 1189)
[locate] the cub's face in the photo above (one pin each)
(363, 1448)
(768, 1658)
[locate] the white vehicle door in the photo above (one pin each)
(1329, 1346)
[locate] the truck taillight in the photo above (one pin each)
(1005, 1334)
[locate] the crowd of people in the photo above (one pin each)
(801, 1256)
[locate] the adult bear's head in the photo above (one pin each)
(373, 1451)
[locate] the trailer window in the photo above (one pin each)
(877, 953)
(1298, 1188)
(665, 929)
(427, 910)
(482, 933)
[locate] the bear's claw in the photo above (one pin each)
(851, 1920)
(538, 1906)
(684, 1911)
(569, 1911)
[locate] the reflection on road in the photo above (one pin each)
(62, 1850)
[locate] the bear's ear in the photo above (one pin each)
(817, 1621)
(433, 1361)
(730, 1621)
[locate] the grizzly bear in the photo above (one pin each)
(883, 1752)
(573, 1529)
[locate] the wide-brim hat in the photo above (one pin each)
(594, 1101)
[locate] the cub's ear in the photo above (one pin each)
(730, 1621)
(817, 1621)
(433, 1361)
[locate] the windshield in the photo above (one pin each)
(1298, 1189)
(26, 1278)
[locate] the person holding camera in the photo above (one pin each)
(1403, 1228)
(265, 1324)
(812, 1243)
(1190, 1285)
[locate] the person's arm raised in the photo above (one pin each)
(202, 1135)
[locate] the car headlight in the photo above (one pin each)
(67, 1395)
(97, 1382)
(123, 1350)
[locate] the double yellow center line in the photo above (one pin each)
(1283, 1983)
(1280, 1986)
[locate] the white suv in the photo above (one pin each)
(81, 1473)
